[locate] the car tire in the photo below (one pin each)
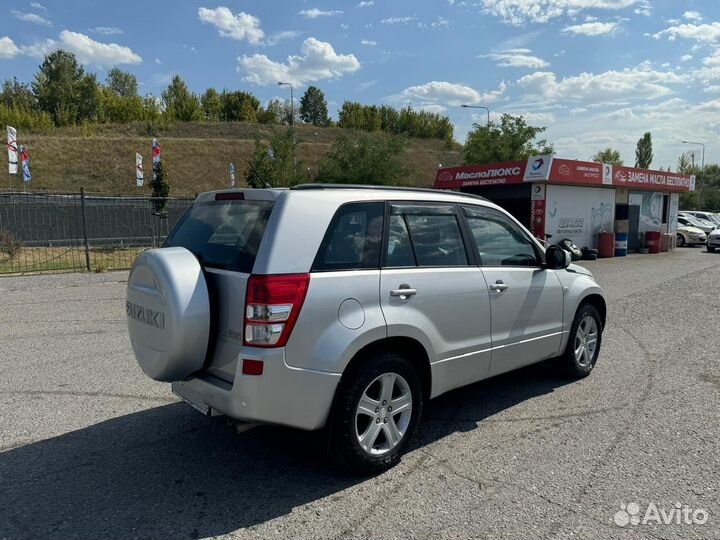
(352, 422)
(680, 242)
(710, 249)
(570, 246)
(581, 354)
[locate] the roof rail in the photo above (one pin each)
(386, 188)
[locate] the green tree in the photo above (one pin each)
(211, 105)
(313, 107)
(684, 164)
(273, 163)
(510, 139)
(160, 187)
(644, 152)
(57, 86)
(272, 113)
(122, 83)
(608, 156)
(239, 106)
(180, 103)
(89, 99)
(366, 159)
(17, 95)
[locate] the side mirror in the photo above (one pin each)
(557, 258)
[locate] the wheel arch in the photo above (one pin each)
(408, 347)
(599, 303)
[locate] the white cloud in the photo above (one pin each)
(235, 26)
(317, 61)
(692, 16)
(712, 89)
(363, 4)
(645, 8)
(285, 35)
(365, 86)
(314, 13)
(443, 94)
(33, 18)
(518, 12)
(106, 30)
(398, 20)
(8, 49)
(158, 62)
(640, 83)
(703, 33)
(520, 58)
(440, 22)
(686, 57)
(592, 28)
(87, 50)
(368, 42)
(36, 5)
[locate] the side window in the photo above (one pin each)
(352, 241)
(425, 236)
(500, 242)
(399, 250)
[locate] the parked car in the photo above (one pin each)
(689, 236)
(690, 221)
(707, 216)
(348, 308)
(713, 241)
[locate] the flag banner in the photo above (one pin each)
(12, 150)
(25, 164)
(232, 174)
(155, 155)
(139, 175)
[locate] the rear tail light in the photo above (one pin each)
(272, 305)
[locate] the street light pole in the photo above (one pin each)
(702, 169)
(702, 162)
(292, 122)
(479, 107)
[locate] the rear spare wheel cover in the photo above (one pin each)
(168, 313)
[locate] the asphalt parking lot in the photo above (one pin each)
(91, 448)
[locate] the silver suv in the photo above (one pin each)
(349, 307)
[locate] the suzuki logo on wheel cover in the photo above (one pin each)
(145, 315)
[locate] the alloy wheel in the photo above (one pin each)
(586, 340)
(383, 414)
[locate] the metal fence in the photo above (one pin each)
(56, 232)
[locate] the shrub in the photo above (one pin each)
(10, 245)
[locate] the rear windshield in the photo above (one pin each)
(223, 234)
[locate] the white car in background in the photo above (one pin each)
(689, 236)
(693, 222)
(707, 216)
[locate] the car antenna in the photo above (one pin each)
(257, 174)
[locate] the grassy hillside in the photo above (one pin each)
(196, 155)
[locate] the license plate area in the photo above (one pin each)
(195, 403)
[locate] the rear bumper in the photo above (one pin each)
(284, 395)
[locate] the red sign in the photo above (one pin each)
(567, 171)
(509, 172)
(629, 177)
(564, 171)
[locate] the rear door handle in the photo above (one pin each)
(499, 286)
(403, 292)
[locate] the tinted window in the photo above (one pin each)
(223, 234)
(399, 251)
(500, 241)
(425, 236)
(352, 241)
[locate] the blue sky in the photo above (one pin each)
(597, 73)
